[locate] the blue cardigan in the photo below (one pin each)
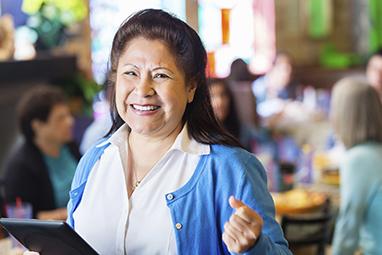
(200, 208)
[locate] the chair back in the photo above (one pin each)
(309, 229)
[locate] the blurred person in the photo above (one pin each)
(224, 107)
(239, 71)
(278, 82)
(374, 71)
(356, 115)
(41, 169)
(196, 192)
(282, 103)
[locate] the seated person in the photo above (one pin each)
(41, 169)
(282, 103)
(278, 82)
(374, 71)
(239, 71)
(224, 107)
(356, 114)
(276, 89)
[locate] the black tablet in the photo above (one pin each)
(47, 237)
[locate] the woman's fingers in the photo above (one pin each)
(243, 227)
(231, 231)
(230, 242)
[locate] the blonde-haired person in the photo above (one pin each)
(357, 121)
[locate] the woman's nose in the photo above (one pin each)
(70, 120)
(144, 87)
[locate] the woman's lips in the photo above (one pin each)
(145, 109)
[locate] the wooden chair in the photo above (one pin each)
(309, 229)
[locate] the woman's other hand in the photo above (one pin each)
(243, 228)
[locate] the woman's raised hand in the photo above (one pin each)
(243, 228)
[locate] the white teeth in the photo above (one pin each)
(145, 108)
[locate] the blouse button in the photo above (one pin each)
(170, 196)
(178, 226)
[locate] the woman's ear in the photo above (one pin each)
(36, 125)
(191, 89)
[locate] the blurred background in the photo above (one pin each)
(66, 43)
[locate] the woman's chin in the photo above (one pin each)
(145, 130)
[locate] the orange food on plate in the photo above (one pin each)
(298, 201)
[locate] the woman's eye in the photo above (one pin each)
(130, 73)
(161, 76)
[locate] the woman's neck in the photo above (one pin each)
(148, 145)
(139, 147)
(48, 148)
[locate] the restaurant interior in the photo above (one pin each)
(308, 45)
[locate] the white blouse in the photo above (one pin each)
(114, 224)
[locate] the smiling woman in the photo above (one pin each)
(168, 179)
(151, 93)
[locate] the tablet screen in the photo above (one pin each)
(47, 237)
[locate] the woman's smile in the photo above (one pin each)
(145, 109)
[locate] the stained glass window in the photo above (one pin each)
(251, 33)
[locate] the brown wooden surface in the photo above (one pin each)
(323, 78)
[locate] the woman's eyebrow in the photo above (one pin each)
(162, 67)
(129, 64)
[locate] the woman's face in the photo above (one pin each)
(374, 73)
(151, 93)
(283, 72)
(57, 128)
(220, 101)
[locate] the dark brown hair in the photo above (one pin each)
(231, 123)
(191, 57)
(36, 104)
(239, 71)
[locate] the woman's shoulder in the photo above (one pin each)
(366, 157)
(222, 151)
(96, 148)
(24, 160)
(89, 159)
(236, 157)
(234, 166)
(24, 153)
(365, 152)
